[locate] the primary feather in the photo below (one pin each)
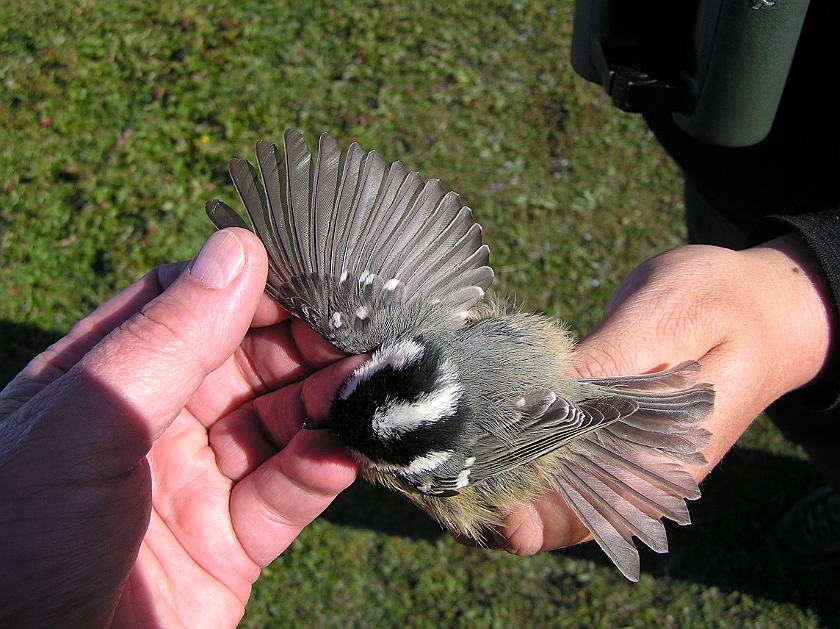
(353, 259)
(465, 407)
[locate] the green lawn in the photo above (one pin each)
(116, 123)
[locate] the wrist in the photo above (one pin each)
(797, 309)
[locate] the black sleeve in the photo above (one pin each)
(820, 230)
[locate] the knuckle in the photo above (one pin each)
(162, 330)
(523, 534)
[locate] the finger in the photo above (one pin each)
(268, 312)
(124, 392)
(249, 436)
(546, 524)
(316, 351)
(268, 359)
(283, 412)
(272, 505)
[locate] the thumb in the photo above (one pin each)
(129, 388)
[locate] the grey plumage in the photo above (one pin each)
(465, 405)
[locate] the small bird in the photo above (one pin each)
(465, 405)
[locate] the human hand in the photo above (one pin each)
(757, 320)
(151, 461)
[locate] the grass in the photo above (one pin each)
(116, 124)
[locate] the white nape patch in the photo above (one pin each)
(392, 284)
(398, 418)
(335, 320)
(396, 356)
(362, 313)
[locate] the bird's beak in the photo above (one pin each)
(322, 425)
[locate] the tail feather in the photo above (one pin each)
(622, 478)
(616, 543)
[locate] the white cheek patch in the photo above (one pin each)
(395, 356)
(398, 418)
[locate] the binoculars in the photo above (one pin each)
(718, 65)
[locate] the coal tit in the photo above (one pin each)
(465, 405)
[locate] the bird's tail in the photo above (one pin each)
(622, 478)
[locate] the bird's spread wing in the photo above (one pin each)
(546, 422)
(358, 249)
(616, 456)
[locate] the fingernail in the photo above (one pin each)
(220, 260)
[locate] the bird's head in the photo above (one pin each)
(403, 410)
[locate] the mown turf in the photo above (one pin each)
(116, 124)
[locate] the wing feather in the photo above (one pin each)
(416, 216)
(325, 189)
(441, 218)
(297, 196)
(342, 211)
(380, 215)
(372, 180)
(361, 250)
(251, 193)
(386, 253)
(466, 235)
(538, 432)
(277, 209)
(223, 215)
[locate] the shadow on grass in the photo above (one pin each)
(727, 544)
(725, 547)
(20, 343)
(373, 507)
